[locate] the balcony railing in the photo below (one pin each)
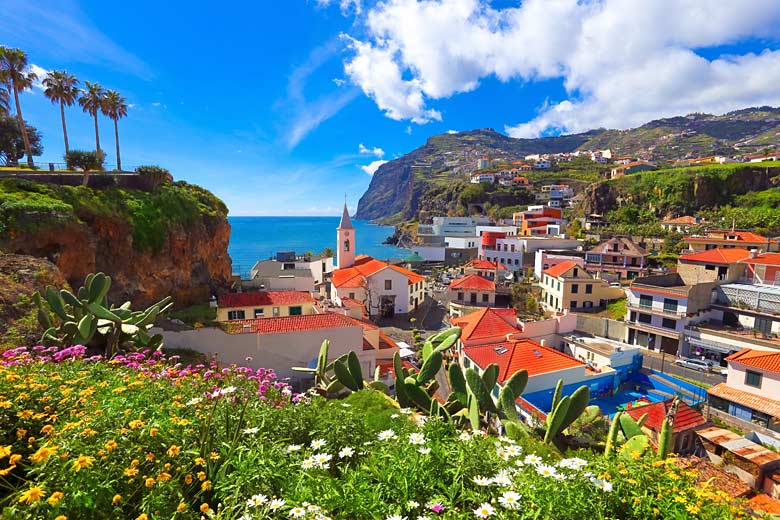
(656, 310)
(749, 297)
(648, 327)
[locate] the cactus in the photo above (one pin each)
(507, 399)
(641, 420)
(630, 427)
(87, 318)
(555, 419)
(666, 440)
(635, 447)
(480, 390)
(557, 394)
(566, 411)
(614, 429)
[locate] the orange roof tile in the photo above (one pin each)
(718, 256)
(739, 236)
(764, 259)
(290, 324)
(473, 282)
(364, 267)
(248, 299)
(687, 219)
(523, 354)
(559, 269)
(765, 503)
(763, 359)
(478, 263)
(486, 325)
(756, 402)
(685, 419)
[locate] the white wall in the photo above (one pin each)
(509, 230)
(462, 242)
(432, 254)
(533, 244)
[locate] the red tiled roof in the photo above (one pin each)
(765, 503)
(473, 282)
(685, 419)
(714, 476)
(486, 325)
(248, 299)
(366, 266)
(557, 270)
(523, 354)
(349, 302)
(764, 259)
(740, 236)
(762, 359)
(756, 402)
(291, 324)
(478, 263)
(718, 256)
(687, 219)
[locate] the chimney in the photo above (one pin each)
(543, 343)
(753, 252)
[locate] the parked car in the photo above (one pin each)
(694, 364)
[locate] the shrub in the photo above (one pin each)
(84, 161)
(153, 176)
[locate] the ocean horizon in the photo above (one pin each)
(260, 238)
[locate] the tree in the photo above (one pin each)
(91, 102)
(153, 176)
(5, 102)
(115, 108)
(328, 252)
(84, 161)
(15, 76)
(12, 142)
(61, 89)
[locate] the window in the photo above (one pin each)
(466, 362)
(559, 286)
(485, 298)
(573, 305)
(753, 378)
(346, 245)
(670, 305)
(645, 301)
(588, 288)
(763, 325)
(296, 310)
(669, 323)
(644, 318)
(236, 315)
(276, 311)
(460, 296)
(351, 296)
(575, 272)
(575, 288)
(388, 285)
(259, 313)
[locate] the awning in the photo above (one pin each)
(716, 347)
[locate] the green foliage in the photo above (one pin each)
(86, 318)
(193, 315)
(85, 161)
(12, 142)
(617, 309)
(154, 175)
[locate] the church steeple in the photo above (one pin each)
(345, 241)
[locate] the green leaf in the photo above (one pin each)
(477, 387)
(490, 376)
(430, 367)
(344, 377)
(517, 382)
(102, 312)
(629, 426)
(86, 327)
(354, 369)
(55, 302)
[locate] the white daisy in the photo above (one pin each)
(513, 450)
(311, 508)
(509, 500)
(533, 458)
(424, 451)
(321, 459)
(406, 411)
(412, 504)
(345, 452)
(395, 517)
(546, 470)
(560, 477)
(603, 485)
(250, 431)
(276, 503)
(416, 438)
(317, 444)
(387, 435)
(502, 479)
(502, 454)
(395, 416)
(423, 517)
(574, 463)
(308, 463)
(194, 401)
(346, 405)
(297, 512)
(484, 511)
(257, 500)
(293, 447)
(482, 481)
(464, 436)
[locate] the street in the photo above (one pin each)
(654, 359)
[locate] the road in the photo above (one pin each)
(654, 360)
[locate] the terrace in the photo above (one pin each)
(763, 299)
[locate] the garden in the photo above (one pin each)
(141, 436)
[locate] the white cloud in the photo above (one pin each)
(346, 6)
(339, 82)
(372, 167)
(622, 62)
(376, 151)
(40, 74)
(451, 132)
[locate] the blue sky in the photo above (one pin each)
(267, 103)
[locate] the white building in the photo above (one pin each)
(290, 272)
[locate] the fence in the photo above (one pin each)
(61, 167)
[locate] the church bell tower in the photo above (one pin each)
(345, 241)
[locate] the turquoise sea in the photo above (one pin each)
(259, 238)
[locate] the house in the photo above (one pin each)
(536, 220)
(263, 304)
(384, 288)
(625, 160)
(286, 342)
(751, 392)
(594, 221)
(685, 423)
(680, 224)
(720, 264)
(725, 238)
(442, 228)
(660, 307)
(483, 163)
(618, 256)
(542, 164)
(478, 177)
(763, 269)
(749, 461)
(599, 353)
(470, 291)
(485, 326)
(291, 272)
(632, 167)
(545, 259)
(569, 287)
(710, 475)
(712, 159)
(761, 157)
(486, 269)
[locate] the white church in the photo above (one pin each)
(385, 289)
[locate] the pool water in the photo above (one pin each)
(609, 405)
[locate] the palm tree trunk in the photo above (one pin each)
(64, 128)
(116, 136)
(97, 136)
(23, 128)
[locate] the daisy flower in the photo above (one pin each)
(412, 504)
(317, 444)
(512, 450)
(509, 500)
(257, 500)
(308, 463)
(603, 485)
(345, 452)
(297, 512)
(406, 411)
(293, 447)
(250, 431)
(546, 470)
(502, 479)
(533, 458)
(395, 517)
(464, 436)
(484, 511)
(387, 435)
(416, 438)
(276, 503)
(424, 451)
(482, 481)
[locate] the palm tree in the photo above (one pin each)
(61, 88)
(15, 76)
(91, 101)
(115, 108)
(5, 101)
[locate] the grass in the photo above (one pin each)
(617, 310)
(193, 315)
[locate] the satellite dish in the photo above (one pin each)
(509, 275)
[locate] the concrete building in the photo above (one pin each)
(617, 257)
(264, 304)
(569, 287)
(536, 220)
(633, 167)
(290, 272)
(751, 462)
(545, 259)
(469, 293)
(725, 239)
(450, 227)
(681, 224)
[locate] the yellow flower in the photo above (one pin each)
(47, 430)
(6, 471)
(201, 476)
(142, 516)
(20, 433)
(199, 461)
(188, 478)
(153, 432)
(692, 509)
(5, 451)
(61, 517)
(13, 459)
(173, 450)
(43, 453)
(162, 477)
(204, 507)
(55, 498)
(181, 507)
(135, 423)
(131, 472)
(116, 499)
(206, 485)
(213, 455)
(83, 461)
(111, 445)
(150, 482)
(150, 457)
(32, 495)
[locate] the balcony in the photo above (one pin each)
(754, 298)
(660, 311)
(733, 334)
(652, 329)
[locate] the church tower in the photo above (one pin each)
(345, 241)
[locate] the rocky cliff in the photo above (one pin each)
(170, 241)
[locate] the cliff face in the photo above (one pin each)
(172, 242)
